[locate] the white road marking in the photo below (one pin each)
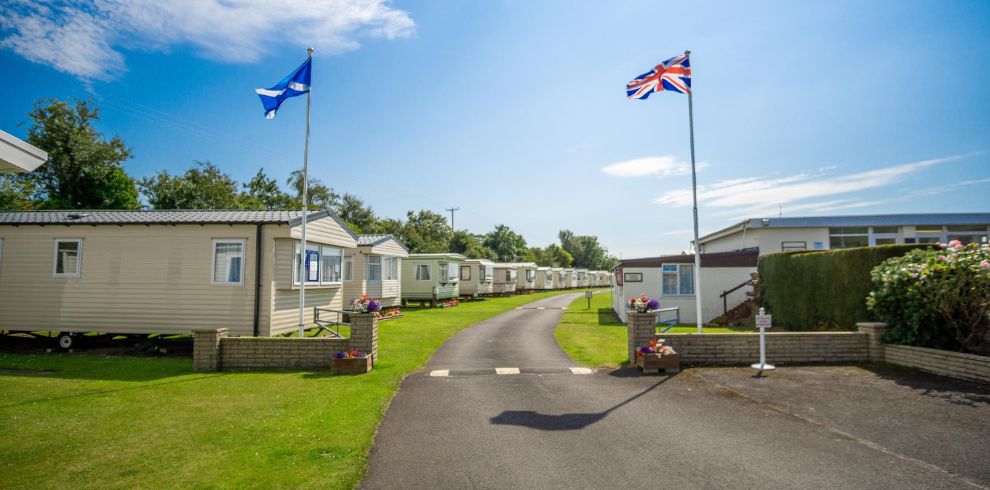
(541, 307)
(506, 370)
(440, 372)
(581, 370)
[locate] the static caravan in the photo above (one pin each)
(525, 276)
(506, 276)
(477, 277)
(375, 269)
(570, 278)
(544, 278)
(431, 277)
(166, 272)
(558, 278)
(581, 278)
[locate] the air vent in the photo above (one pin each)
(75, 216)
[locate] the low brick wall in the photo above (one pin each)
(213, 350)
(946, 363)
(782, 348)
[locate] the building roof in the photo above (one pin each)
(520, 264)
(855, 220)
(438, 256)
(176, 217)
(17, 155)
(372, 240)
(741, 258)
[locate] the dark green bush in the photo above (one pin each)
(822, 290)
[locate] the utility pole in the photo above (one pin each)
(452, 217)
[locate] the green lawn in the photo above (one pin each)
(595, 337)
(70, 420)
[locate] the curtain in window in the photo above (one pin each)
(687, 279)
(66, 258)
(227, 262)
(423, 272)
(330, 264)
(374, 268)
(349, 268)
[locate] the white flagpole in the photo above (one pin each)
(305, 192)
(694, 194)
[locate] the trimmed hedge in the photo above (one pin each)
(822, 290)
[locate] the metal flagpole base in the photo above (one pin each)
(763, 367)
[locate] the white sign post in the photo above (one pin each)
(763, 322)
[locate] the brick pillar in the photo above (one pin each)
(364, 334)
(206, 349)
(875, 330)
(641, 328)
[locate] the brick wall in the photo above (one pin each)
(782, 348)
(213, 350)
(946, 363)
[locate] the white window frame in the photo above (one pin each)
(792, 246)
(462, 275)
(419, 268)
(347, 268)
(530, 278)
(213, 261)
(295, 265)
(367, 268)
(680, 271)
(486, 273)
(323, 256)
(393, 269)
(79, 252)
(628, 277)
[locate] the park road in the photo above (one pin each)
(539, 424)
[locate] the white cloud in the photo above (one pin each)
(660, 166)
(83, 38)
(755, 194)
(931, 191)
(683, 231)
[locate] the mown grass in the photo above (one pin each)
(88, 421)
(595, 337)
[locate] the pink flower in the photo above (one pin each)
(942, 245)
(984, 265)
(955, 244)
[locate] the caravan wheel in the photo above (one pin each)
(67, 340)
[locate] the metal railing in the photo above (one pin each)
(329, 320)
(725, 296)
(671, 322)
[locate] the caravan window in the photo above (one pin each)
(374, 268)
(349, 268)
(530, 275)
(330, 259)
(423, 272)
(489, 272)
(312, 264)
(678, 279)
(68, 254)
(390, 268)
(466, 272)
(452, 269)
(228, 262)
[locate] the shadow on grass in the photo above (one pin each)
(608, 318)
(954, 391)
(567, 421)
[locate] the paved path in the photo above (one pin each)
(465, 426)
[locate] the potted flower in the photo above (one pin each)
(366, 304)
(350, 362)
(643, 304)
(657, 355)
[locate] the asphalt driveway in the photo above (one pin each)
(500, 407)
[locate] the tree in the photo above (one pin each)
(355, 213)
(470, 246)
(507, 244)
(17, 192)
(202, 187)
(426, 232)
(84, 171)
(262, 192)
(318, 194)
(552, 256)
(585, 249)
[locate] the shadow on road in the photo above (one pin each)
(567, 421)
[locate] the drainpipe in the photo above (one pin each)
(257, 279)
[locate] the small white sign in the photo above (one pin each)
(587, 294)
(764, 321)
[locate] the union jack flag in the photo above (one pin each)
(673, 74)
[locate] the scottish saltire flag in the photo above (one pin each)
(297, 83)
(673, 74)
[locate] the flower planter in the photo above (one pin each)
(355, 365)
(653, 363)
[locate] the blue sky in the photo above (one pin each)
(515, 111)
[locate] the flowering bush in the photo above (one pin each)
(351, 354)
(656, 346)
(643, 304)
(366, 304)
(935, 298)
(448, 303)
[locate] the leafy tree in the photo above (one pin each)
(426, 232)
(262, 192)
(470, 246)
(84, 171)
(318, 194)
(507, 244)
(552, 256)
(388, 226)
(355, 213)
(16, 192)
(202, 187)
(585, 250)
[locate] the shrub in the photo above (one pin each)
(935, 298)
(822, 290)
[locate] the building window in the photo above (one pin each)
(349, 268)
(330, 263)
(848, 237)
(390, 268)
(448, 271)
(466, 272)
(530, 275)
(793, 246)
(967, 233)
(374, 268)
(228, 262)
(68, 255)
(312, 264)
(423, 272)
(510, 275)
(678, 279)
(632, 277)
(486, 272)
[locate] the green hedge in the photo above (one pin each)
(822, 290)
